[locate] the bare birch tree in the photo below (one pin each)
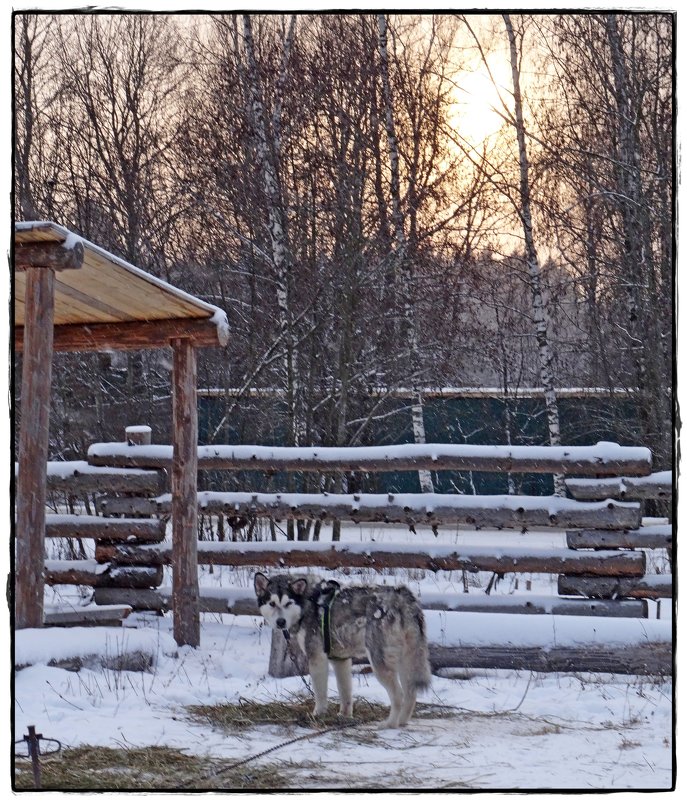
(403, 268)
(539, 308)
(268, 147)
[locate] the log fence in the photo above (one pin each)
(601, 572)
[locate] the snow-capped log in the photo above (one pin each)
(78, 477)
(388, 555)
(644, 659)
(91, 573)
(239, 601)
(104, 528)
(550, 643)
(91, 615)
(659, 536)
(496, 511)
(602, 459)
(657, 486)
(653, 586)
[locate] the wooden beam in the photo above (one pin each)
(380, 556)
(33, 447)
(105, 528)
(78, 478)
(584, 460)
(233, 601)
(89, 573)
(650, 659)
(657, 486)
(184, 495)
(650, 587)
(659, 536)
(412, 509)
(133, 335)
(48, 255)
(87, 616)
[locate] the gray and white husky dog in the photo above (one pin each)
(331, 623)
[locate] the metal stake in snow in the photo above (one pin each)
(33, 747)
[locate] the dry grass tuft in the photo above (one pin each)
(296, 712)
(142, 769)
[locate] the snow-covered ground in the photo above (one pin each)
(508, 730)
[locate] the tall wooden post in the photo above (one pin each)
(185, 596)
(33, 446)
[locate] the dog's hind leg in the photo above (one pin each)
(389, 680)
(409, 699)
(342, 671)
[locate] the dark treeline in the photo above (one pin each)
(310, 174)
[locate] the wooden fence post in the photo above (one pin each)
(33, 446)
(138, 435)
(185, 587)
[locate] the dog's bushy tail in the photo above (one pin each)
(421, 669)
(416, 665)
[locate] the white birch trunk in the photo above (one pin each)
(403, 272)
(539, 310)
(268, 159)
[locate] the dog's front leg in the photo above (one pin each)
(342, 671)
(319, 672)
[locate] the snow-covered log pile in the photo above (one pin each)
(601, 572)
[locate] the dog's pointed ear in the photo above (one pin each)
(299, 586)
(333, 586)
(260, 582)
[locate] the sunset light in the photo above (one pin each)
(478, 111)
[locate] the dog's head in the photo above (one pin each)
(281, 599)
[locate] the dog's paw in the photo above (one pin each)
(388, 724)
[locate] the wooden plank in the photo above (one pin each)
(478, 511)
(234, 601)
(651, 587)
(657, 486)
(134, 335)
(74, 304)
(48, 255)
(603, 459)
(33, 448)
(105, 528)
(184, 496)
(389, 555)
(659, 536)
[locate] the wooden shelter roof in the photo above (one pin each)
(104, 303)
